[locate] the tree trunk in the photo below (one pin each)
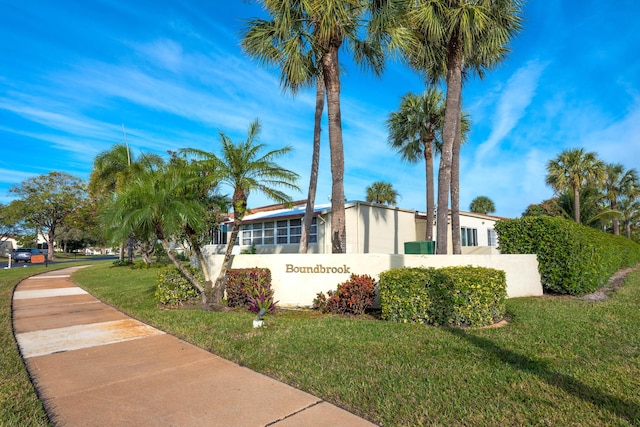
(616, 222)
(50, 236)
(217, 291)
(455, 190)
(428, 160)
(239, 201)
(576, 204)
(451, 116)
(331, 73)
(195, 245)
(315, 162)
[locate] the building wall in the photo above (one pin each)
(297, 278)
(378, 229)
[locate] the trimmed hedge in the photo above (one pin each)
(573, 259)
(457, 296)
(173, 289)
(243, 283)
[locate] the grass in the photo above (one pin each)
(19, 404)
(559, 362)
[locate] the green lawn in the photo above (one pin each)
(560, 361)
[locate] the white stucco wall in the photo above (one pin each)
(297, 278)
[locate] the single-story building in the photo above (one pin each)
(371, 228)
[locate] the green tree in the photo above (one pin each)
(382, 192)
(286, 41)
(328, 26)
(158, 203)
(617, 182)
(572, 170)
(246, 169)
(447, 37)
(629, 208)
(46, 200)
(482, 205)
(10, 226)
(112, 170)
(547, 207)
(414, 132)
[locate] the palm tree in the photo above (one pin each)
(629, 208)
(617, 182)
(245, 169)
(572, 170)
(414, 130)
(382, 192)
(482, 205)
(327, 26)
(286, 42)
(449, 36)
(112, 170)
(157, 203)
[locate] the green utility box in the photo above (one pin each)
(422, 247)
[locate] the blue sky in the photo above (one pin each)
(72, 72)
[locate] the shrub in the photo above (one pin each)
(457, 296)
(404, 294)
(353, 296)
(173, 289)
(572, 259)
(468, 296)
(244, 283)
(122, 263)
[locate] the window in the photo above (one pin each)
(492, 238)
(282, 232)
(468, 236)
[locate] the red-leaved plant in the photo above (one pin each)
(353, 296)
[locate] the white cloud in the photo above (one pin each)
(512, 104)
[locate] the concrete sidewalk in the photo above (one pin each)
(94, 366)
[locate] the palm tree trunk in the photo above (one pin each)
(315, 162)
(616, 221)
(428, 160)
(331, 73)
(455, 190)
(217, 291)
(451, 116)
(193, 239)
(576, 203)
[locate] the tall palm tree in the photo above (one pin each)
(285, 41)
(382, 192)
(414, 131)
(329, 25)
(157, 203)
(572, 170)
(482, 205)
(618, 181)
(451, 35)
(246, 169)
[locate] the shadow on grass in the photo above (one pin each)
(623, 408)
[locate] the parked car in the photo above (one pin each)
(24, 254)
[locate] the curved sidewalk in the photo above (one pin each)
(93, 365)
